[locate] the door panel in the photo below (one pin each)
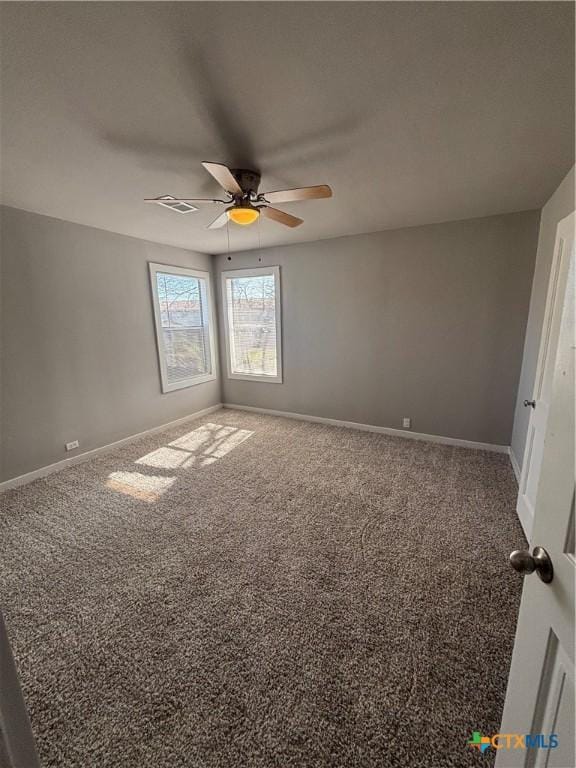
(555, 710)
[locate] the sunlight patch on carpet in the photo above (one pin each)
(142, 487)
(199, 448)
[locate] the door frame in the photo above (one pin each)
(16, 740)
(546, 354)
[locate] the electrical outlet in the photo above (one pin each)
(406, 422)
(72, 445)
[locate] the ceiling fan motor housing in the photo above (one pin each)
(249, 180)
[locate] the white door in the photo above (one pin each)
(540, 696)
(540, 403)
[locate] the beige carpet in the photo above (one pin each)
(246, 590)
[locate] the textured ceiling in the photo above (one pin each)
(413, 112)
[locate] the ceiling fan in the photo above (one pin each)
(244, 204)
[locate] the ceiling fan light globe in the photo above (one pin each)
(243, 216)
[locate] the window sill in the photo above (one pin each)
(188, 383)
(253, 377)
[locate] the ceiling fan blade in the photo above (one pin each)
(180, 204)
(303, 193)
(281, 217)
(219, 221)
(170, 199)
(224, 177)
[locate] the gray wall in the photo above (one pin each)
(560, 205)
(78, 353)
(426, 322)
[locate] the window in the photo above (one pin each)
(251, 299)
(183, 313)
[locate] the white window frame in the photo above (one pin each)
(168, 269)
(227, 314)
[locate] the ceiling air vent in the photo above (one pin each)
(176, 205)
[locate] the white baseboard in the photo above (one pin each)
(79, 458)
(372, 428)
(515, 465)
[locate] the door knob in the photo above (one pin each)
(525, 563)
(531, 403)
